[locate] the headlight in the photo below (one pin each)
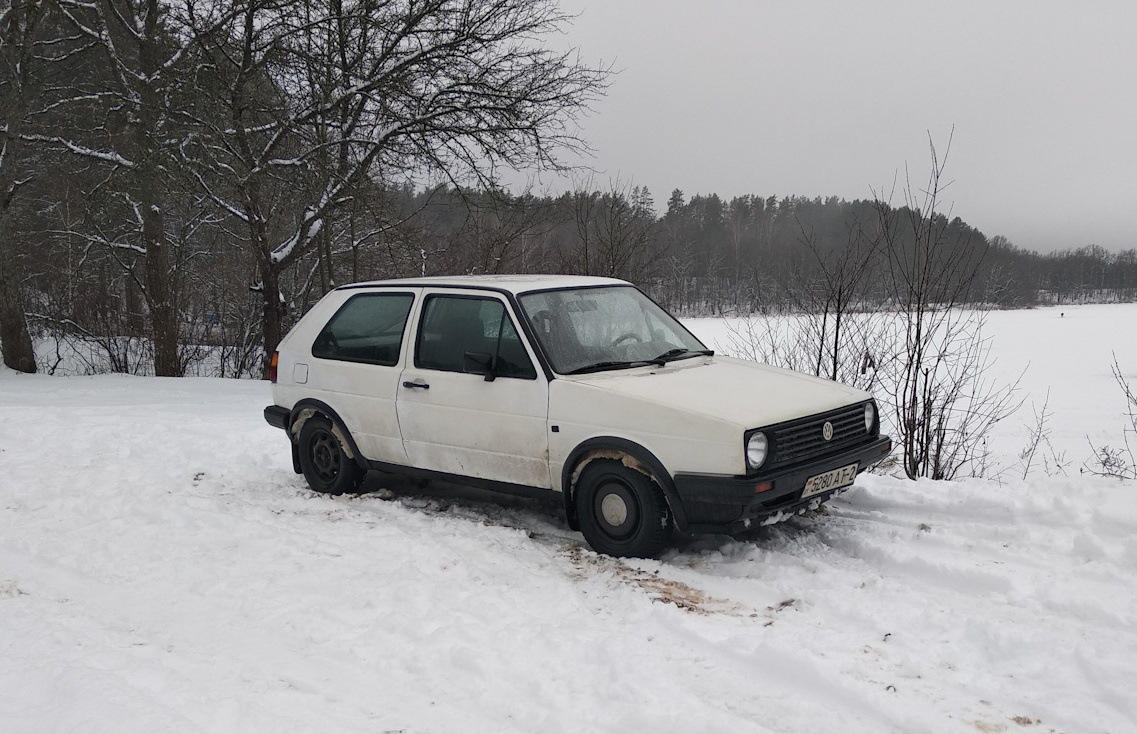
(756, 449)
(870, 416)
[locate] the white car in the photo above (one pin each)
(577, 385)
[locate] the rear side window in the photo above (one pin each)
(368, 328)
(454, 325)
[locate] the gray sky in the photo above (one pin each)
(835, 97)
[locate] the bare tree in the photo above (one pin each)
(926, 356)
(496, 232)
(320, 98)
(831, 328)
(943, 404)
(613, 232)
(141, 49)
(845, 342)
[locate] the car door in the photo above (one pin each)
(471, 401)
(357, 358)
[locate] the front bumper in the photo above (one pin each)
(714, 503)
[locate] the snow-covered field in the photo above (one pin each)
(163, 570)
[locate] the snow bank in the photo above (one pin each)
(162, 569)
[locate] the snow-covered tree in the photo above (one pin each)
(310, 102)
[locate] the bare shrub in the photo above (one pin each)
(943, 403)
(794, 341)
(924, 355)
(1039, 446)
(1118, 461)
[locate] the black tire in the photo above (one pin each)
(323, 461)
(621, 511)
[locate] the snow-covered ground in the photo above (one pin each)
(163, 570)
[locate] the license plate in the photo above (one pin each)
(842, 477)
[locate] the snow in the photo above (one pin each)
(163, 569)
(108, 156)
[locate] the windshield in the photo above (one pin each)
(593, 329)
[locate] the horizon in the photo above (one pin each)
(830, 99)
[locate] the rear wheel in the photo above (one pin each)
(621, 511)
(326, 466)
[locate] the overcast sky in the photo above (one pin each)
(836, 97)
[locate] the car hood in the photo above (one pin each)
(748, 394)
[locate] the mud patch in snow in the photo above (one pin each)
(659, 588)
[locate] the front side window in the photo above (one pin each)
(470, 334)
(592, 329)
(367, 328)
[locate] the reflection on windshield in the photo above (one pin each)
(593, 329)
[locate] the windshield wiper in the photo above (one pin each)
(680, 352)
(610, 365)
(668, 356)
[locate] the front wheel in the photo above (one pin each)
(621, 511)
(326, 466)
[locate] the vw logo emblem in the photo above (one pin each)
(827, 431)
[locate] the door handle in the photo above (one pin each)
(416, 385)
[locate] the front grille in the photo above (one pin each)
(804, 440)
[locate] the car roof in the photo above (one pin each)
(510, 283)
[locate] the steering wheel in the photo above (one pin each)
(625, 337)
(543, 320)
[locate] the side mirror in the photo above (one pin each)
(479, 363)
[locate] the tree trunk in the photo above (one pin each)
(14, 337)
(163, 315)
(15, 340)
(159, 293)
(272, 310)
(821, 339)
(273, 317)
(838, 312)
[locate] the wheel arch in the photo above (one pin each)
(310, 408)
(630, 454)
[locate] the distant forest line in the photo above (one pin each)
(708, 254)
(704, 256)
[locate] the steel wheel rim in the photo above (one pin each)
(325, 454)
